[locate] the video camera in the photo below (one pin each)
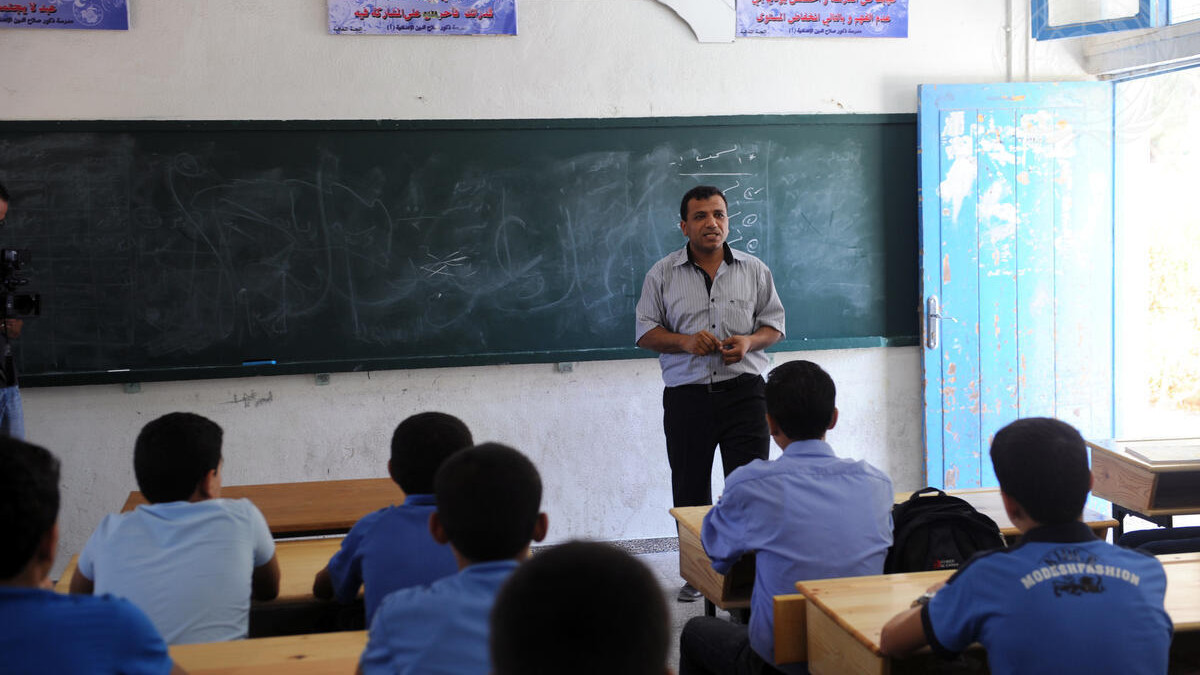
(16, 305)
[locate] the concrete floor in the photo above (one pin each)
(665, 566)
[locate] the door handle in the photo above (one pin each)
(933, 322)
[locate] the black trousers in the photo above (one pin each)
(697, 420)
(712, 646)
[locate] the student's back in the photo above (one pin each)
(187, 565)
(189, 559)
(392, 548)
(46, 632)
(1060, 602)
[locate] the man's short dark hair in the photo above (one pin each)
(28, 501)
(699, 192)
(540, 627)
(4, 194)
(173, 454)
(801, 397)
(488, 498)
(1042, 463)
(419, 446)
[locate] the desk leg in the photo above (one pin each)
(1119, 513)
(709, 608)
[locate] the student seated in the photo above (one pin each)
(541, 627)
(1061, 600)
(189, 559)
(488, 498)
(809, 515)
(42, 631)
(392, 548)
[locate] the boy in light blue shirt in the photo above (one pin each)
(189, 559)
(488, 499)
(392, 548)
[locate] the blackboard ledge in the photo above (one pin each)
(360, 365)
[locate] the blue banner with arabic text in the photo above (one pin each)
(78, 14)
(438, 17)
(822, 18)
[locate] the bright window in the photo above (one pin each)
(1158, 306)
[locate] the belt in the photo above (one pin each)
(722, 386)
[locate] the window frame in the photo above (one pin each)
(1151, 14)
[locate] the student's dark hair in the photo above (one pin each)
(419, 446)
(1042, 463)
(28, 501)
(4, 194)
(801, 397)
(699, 192)
(538, 624)
(488, 498)
(173, 454)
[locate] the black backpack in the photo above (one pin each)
(937, 532)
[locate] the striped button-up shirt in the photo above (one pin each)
(742, 300)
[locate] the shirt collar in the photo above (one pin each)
(729, 255)
(809, 448)
(1063, 533)
(420, 500)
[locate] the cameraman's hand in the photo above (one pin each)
(11, 328)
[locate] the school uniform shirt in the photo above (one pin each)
(439, 628)
(46, 632)
(1061, 601)
(186, 565)
(809, 515)
(388, 550)
(742, 300)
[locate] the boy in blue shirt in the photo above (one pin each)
(1060, 601)
(42, 631)
(392, 548)
(189, 559)
(488, 500)
(807, 515)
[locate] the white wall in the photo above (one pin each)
(594, 433)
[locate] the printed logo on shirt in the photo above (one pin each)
(1074, 571)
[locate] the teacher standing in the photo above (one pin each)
(709, 311)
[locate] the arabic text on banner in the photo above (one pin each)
(822, 18)
(85, 14)
(438, 17)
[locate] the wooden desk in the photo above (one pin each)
(727, 591)
(290, 655)
(846, 616)
(1155, 491)
(732, 591)
(311, 508)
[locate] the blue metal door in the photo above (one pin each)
(1016, 265)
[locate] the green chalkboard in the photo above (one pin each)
(169, 250)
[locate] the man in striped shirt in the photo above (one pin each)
(709, 311)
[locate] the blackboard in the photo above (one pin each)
(174, 250)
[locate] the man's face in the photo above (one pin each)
(3, 210)
(707, 224)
